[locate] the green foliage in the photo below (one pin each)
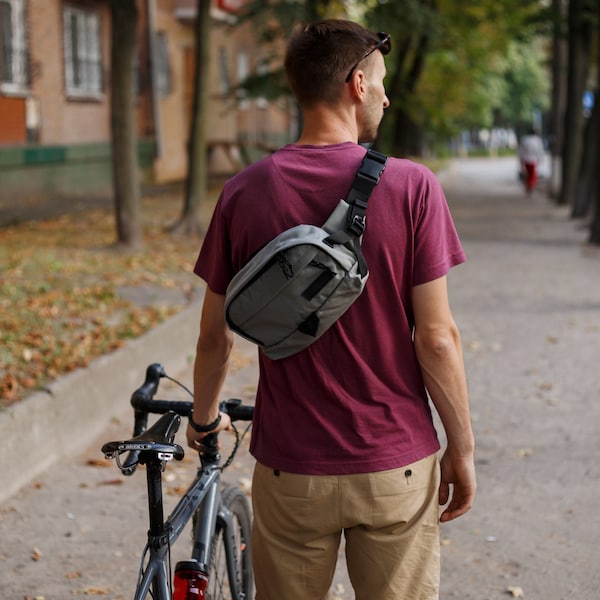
(454, 64)
(480, 62)
(527, 83)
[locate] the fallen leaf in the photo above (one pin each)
(92, 591)
(515, 591)
(524, 452)
(36, 554)
(111, 482)
(98, 462)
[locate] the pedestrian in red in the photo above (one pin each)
(531, 154)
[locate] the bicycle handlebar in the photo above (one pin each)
(143, 403)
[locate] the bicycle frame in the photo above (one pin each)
(203, 499)
(205, 492)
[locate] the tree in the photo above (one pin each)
(446, 54)
(594, 237)
(447, 69)
(581, 27)
(123, 123)
(190, 222)
(588, 174)
(416, 28)
(559, 88)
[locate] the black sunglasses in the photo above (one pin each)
(384, 45)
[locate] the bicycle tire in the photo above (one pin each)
(218, 581)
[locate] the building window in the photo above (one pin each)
(83, 59)
(242, 75)
(162, 65)
(224, 81)
(13, 46)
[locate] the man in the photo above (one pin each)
(343, 433)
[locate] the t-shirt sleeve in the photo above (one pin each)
(214, 260)
(437, 245)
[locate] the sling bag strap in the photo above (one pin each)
(366, 179)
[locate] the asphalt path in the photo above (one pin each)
(528, 305)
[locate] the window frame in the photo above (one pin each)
(18, 46)
(82, 43)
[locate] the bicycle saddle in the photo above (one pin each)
(158, 438)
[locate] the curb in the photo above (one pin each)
(44, 427)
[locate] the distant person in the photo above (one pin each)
(343, 435)
(531, 154)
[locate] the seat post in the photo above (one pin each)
(155, 499)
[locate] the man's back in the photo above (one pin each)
(320, 390)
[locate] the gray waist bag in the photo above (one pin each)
(293, 289)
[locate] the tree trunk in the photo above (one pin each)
(123, 123)
(595, 222)
(559, 87)
(408, 134)
(196, 186)
(587, 180)
(580, 44)
(595, 225)
(407, 140)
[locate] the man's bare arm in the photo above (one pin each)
(210, 366)
(439, 352)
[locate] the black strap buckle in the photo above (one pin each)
(358, 224)
(365, 180)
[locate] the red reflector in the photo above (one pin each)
(190, 582)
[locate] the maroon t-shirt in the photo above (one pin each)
(354, 401)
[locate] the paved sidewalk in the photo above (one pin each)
(528, 305)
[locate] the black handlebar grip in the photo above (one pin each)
(147, 390)
(236, 410)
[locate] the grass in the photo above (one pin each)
(68, 294)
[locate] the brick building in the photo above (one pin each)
(55, 94)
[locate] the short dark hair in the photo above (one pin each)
(319, 56)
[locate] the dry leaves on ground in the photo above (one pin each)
(68, 295)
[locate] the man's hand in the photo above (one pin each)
(460, 474)
(194, 438)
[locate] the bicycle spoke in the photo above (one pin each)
(218, 583)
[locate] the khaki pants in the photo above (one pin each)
(390, 520)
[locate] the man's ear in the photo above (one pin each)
(358, 84)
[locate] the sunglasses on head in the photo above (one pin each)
(384, 46)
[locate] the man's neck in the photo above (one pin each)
(325, 127)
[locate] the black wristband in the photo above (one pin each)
(205, 428)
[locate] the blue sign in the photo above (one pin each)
(588, 100)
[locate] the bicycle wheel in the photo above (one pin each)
(218, 580)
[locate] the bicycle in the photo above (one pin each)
(220, 566)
